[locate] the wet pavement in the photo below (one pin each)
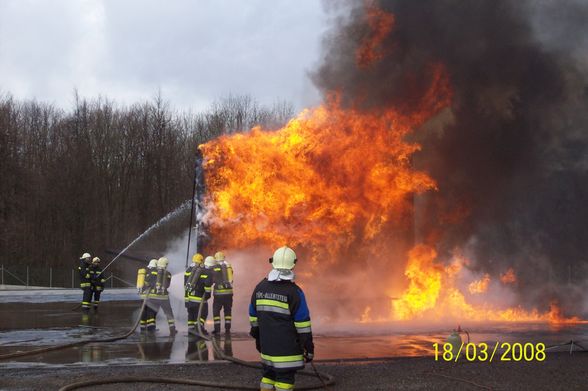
(31, 320)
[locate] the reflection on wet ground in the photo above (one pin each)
(28, 325)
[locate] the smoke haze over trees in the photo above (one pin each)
(96, 176)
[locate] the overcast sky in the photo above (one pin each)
(192, 50)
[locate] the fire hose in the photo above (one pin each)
(325, 379)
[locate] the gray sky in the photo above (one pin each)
(193, 50)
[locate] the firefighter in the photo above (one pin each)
(199, 288)
(192, 275)
(96, 282)
(222, 292)
(85, 282)
(149, 279)
(280, 323)
(159, 297)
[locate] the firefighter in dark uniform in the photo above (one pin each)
(191, 276)
(96, 282)
(222, 292)
(150, 277)
(280, 323)
(159, 297)
(199, 289)
(85, 281)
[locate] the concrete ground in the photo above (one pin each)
(560, 371)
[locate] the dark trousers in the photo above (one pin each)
(222, 302)
(278, 379)
(148, 315)
(86, 298)
(193, 314)
(96, 293)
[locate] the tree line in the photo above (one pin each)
(95, 176)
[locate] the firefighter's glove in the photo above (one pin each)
(254, 332)
(308, 356)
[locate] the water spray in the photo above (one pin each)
(164, 219)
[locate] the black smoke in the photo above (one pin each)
(510, 154)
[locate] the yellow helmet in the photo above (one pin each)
(86, 256)
(162, 262)
(284, 258)
(197, 258)
(219, 256)
(96, 260)
(209, 261)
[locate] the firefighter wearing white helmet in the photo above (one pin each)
(158, 297)
(280, 323)
(199, 290)
(85, 281)
(222, 292)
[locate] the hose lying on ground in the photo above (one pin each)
(78, 343)
(325, 379)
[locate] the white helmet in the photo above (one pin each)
(162, 262)
(209, 261)
(96, 260)
(284, 258)
(86, 256)
(152, 263)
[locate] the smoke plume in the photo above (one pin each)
(510, 153)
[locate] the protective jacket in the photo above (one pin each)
(202, 286)
(223, 279)
(96, 278)
(191, 277)
(161, 283)
(85, 276)
(280, 323)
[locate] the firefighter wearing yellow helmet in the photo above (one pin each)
(199, 288)
(280, 323)
(191, 276)
(222, 293)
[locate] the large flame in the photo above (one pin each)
(337, 184)
(328, 178)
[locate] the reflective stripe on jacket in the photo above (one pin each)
(279, 315)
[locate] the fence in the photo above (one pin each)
(52, 277)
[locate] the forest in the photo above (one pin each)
(95, 176)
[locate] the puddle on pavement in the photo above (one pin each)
(29, 325)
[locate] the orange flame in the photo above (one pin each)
(432, 293)
(329, 177)
(380, 24)
(509, 277)
(479, 286)
(337, 184)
